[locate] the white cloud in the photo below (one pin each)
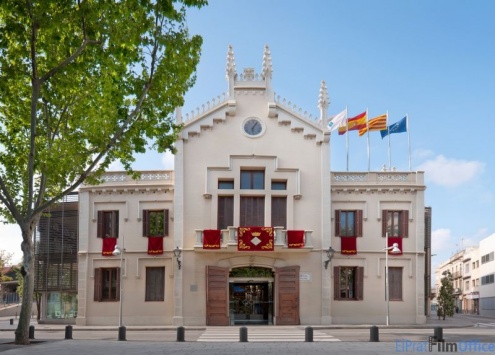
(116, 166)
(450, 172)
(440, 238)
(10, 241)
(168, 160)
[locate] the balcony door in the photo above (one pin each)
(252, 211)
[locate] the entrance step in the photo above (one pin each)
(262, 334)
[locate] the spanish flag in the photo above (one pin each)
(354, 124)
(377, 123)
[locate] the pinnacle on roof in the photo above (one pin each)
(267, 69)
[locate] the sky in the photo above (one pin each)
(433, 61)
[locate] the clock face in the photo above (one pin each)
(253, 126)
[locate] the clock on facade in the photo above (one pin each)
(253, 127)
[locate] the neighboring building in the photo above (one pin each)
(255, 211)
(470, 281)
(486, 276)
(454, 265)
(56, 270)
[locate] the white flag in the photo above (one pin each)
(337, 120)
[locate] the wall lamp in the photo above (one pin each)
(330, 252)
(177, 253)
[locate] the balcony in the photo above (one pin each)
(228, 240)
(457, 275)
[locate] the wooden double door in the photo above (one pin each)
(286, 296)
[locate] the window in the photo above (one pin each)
(395, 223)
(487, 258)
(348, 223)
(348, 283)
(466, 267)
(279, 185)
(155, 284)
(108, 224)
(279, 211)
(225, 215)
(225, 184)
(252, 180)
(155, 223)
(488, 279)
(395, 283)
(467, 286)
(252, 211)
(107, 284)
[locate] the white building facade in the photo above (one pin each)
(486, 276)
(256, 213)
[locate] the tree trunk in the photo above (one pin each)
(27, 271)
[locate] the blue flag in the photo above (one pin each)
(397, 127)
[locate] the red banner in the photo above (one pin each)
(348, 245)
(108, 246)
(391, 241)
(155, 245)
(211, 238)
(255, 239)
(295, 239)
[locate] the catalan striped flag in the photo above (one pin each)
(377, 123)
(354, 123)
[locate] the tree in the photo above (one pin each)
(446, 295)
(82, 84)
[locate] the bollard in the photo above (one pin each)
(68, 332)
(374, 336)
(122, 333)
(308, 334)
(181, 334)
(438, 334)
(31, 332)
(243, 334)
(11, 321)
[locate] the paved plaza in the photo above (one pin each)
(334, 339)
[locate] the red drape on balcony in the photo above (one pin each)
(391, 241)
(155, 245)
(108, 246)
(255, 239)
(211, 238)
(348, 245)
(295, 238)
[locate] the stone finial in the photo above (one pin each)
(323, 101)
(267, 69)
(178, 115)
(230, 71)
(266, 73)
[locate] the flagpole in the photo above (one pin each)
(368, 136)
(389, 150)
(408, 140)
(347, 138)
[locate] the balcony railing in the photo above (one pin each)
(229, 238)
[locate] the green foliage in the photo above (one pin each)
(85, 83)
(82, 84)
(446, 295)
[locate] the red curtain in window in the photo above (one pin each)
(211, 238)
(255, 239)
(295, 238)
(348, 245)
(391, 241)
(155, 245)
(108, 246)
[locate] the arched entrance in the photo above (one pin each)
(252, 295)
